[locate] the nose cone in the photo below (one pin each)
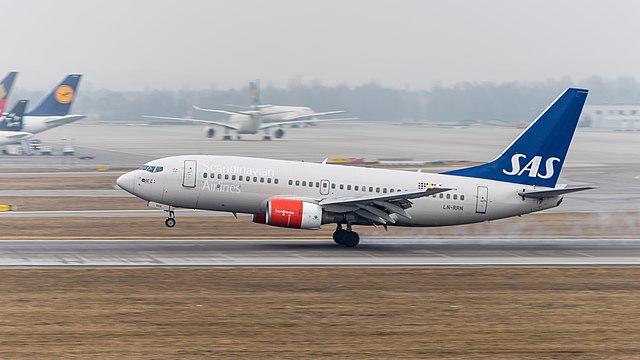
(127, 182)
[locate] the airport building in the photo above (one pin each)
(617, 117)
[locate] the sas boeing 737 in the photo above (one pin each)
(522, 180)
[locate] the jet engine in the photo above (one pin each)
(278, 133)
(291, 214)
(209, 132)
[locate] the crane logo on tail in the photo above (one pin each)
(64, 94)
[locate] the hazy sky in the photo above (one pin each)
(145, 44)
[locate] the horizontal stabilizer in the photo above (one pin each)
(541, 194)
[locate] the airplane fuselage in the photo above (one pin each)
(244, 185)
(37, 124)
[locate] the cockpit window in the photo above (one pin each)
(151, 169)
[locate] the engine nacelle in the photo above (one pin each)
(209, 132)
(278, 134)
(291, 214)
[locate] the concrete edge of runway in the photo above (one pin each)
(318, 254)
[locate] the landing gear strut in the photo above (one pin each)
(171, 221)
(348, 238)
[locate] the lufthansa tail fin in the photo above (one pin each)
(13, 120)
(58, 102)
(537, 155)
(5, 89)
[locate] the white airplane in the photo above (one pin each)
(53, 111)
(11, 123)
(272, 113)
(523, 179)
(256, 118)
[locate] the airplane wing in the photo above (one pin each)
(379, 207)
(317, 114)
(226, 112)
(541, 194)
(292, 122)
(210, 122)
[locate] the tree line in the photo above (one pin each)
(486, 101)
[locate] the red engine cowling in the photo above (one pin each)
(291, 213)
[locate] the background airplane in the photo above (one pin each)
(523, 179)
(12, 123)
(53, 111)
(6, 85)
(272, 113)
(256, 118)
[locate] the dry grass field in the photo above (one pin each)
(337, 313)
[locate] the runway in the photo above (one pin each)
(301, 253)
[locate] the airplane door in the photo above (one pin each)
(189, 175)
(324, 187)
(481, 202)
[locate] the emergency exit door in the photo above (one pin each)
(482, 199)
(189, 175)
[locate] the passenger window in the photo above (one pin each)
(462, 197)
(433, 196)
(355, 187)
(448, 196)
(324, 185)
(275, 181)
(226, 177)
(370, 188)
(377, 189)
(261, 180)
(310, 183)
(348, 187)
(341, 186)
(317, 184)
(255, 179)
(290, 182)
(441, 196)
(333, 186)
(268, 180)
(297, 182)
(248, 178)
(219, 176)
(233, 177)
(304, 183)
(204, 175)
(240, 177)
(455, 196)
(364, 188)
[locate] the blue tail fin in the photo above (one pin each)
(58, 102)
(13, 120)
(537, 155)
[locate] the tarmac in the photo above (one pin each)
(314, 253)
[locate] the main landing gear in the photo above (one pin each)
(171, 221)
(347, 237)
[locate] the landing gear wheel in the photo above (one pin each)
(266, 138)
(226, 137)
(170, 222)
(338, 235)
(350, 239)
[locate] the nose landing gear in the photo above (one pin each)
(171, 221)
